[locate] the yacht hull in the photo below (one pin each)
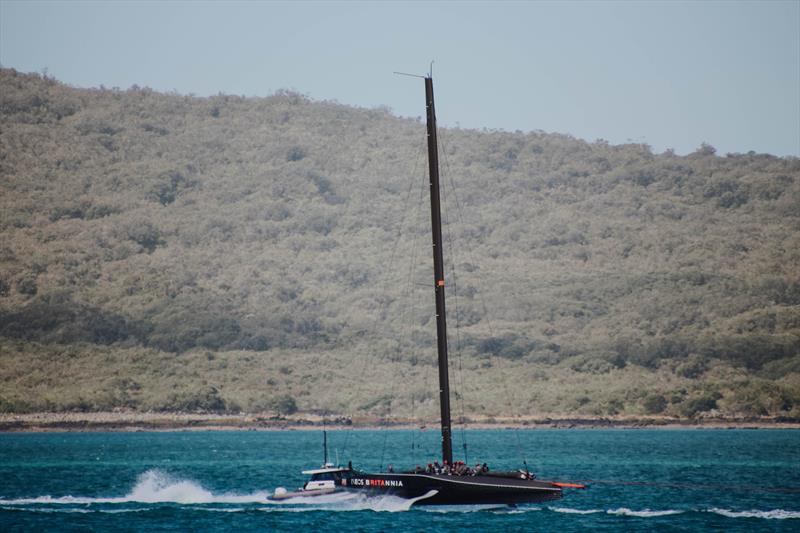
(453, 490)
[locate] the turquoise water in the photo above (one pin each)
(698, 479)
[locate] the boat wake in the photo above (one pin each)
(157, 487)
(344, 501)
(153, 486)
(778, 514)
(653, 513)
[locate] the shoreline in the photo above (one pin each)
(135, 421)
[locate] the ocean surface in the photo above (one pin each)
(669, 480)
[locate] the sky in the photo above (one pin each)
(670, 74)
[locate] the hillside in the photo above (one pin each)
(170, 252)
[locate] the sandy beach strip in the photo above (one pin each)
(161, 421)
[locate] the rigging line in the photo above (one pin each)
(376, 319)
(461, 386)
(426, 376)
(460, 373)
(459, 345)
(411, 311)
(407, 226)
(410, 283)
(453, 254)
(383, 447)
(519, 449)
(460, 215)
(503, 274)
(393, 382)
(408, 313)
(412, 276)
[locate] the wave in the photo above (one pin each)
(495, 507)
(646, 513)
(775, 514)
(574, 511)
(46, 510)
(512, 510)
(62, 509)
(779, 514)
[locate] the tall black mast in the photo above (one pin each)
(438, 272)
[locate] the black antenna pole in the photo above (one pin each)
(324, 444)
(438, 271)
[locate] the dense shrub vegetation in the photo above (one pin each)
(142, 229)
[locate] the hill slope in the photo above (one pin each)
(162, 251)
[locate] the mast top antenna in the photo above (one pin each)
(407, 74)
(429, 75)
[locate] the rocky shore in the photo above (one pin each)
(161, 421)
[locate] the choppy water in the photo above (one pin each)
(696, 479)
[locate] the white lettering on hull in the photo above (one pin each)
(359, 482)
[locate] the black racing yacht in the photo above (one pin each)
(448, 483)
